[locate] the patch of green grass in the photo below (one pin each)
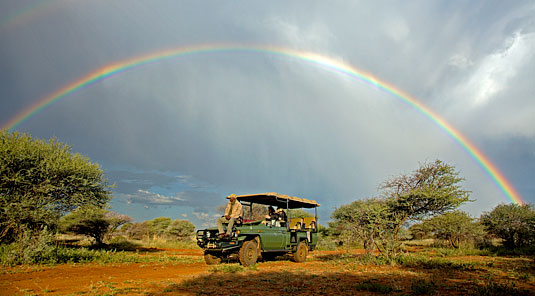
(491, 288)
(441, 263)
(402, 259)
(60, 255)
(228, 268)
(370, 286)
(449, 252)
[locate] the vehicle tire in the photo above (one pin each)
(248, 253)
(211, 259)
(301, 252)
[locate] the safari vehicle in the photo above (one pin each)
(252, 240)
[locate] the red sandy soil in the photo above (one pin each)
(317, 276)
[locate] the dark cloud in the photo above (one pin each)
(195, 128)
(198, 200)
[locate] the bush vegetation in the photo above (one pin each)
(42, 180)
(46, 189)
(162, 228)
(430, 190)
(454, 229)
(92, 221)
(513, 223)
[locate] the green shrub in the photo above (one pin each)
(513, 223)
(326, 243)
(42, 180)
(30, 248)
(454, 229)
(162, 228)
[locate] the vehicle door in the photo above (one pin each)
(274, 238)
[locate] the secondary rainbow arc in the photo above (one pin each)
(320, 60)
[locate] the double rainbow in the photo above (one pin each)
(316, 59)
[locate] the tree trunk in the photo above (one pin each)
(396, 230)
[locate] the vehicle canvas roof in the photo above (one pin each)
(278, 200)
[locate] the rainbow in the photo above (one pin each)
(316, 59)
(32, 11)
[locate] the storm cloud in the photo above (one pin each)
(178, 135)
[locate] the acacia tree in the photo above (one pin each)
(513, 223)
(93, 221)
(180, 229)
(420, 231)
(454, 227)
(42, 180)
(431, 189)
(369, 220)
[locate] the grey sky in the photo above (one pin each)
(178, 135)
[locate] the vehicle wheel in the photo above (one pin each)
(301, 252)
(248, 253)
(211, 259)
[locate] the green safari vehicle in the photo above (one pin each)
(252, 240)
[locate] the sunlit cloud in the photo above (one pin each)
(494, 72)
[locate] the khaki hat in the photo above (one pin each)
(232, 195)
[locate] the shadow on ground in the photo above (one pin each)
(126, 246)
(252, 283)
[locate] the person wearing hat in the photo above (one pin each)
(271, 217)
(282, 215)
(232, 212)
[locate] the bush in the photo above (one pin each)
(30, 247)
(180, 229)
(513, 223)
(40, 181)
(92, 221)
(326, 243)
(455, 228)
(160, 228)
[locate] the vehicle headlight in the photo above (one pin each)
(208, 234)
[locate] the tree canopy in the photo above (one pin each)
(369, 220)
(513, 223)
(455, 228)
(92, 221)
(42, 180)
(434, 188)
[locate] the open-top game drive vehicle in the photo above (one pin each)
(253, 239)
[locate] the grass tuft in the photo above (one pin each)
(491, 288)
(227, 268)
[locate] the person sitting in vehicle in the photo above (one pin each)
(271, 217)
(233, 211)
(281, 215)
